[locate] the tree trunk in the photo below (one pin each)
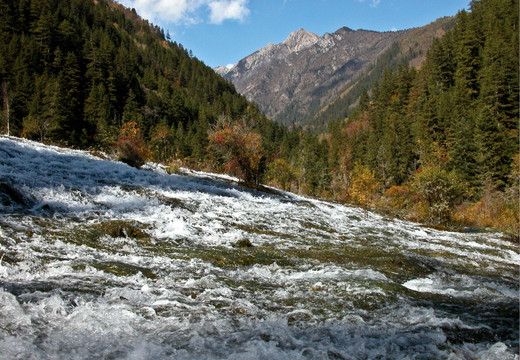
(5, 95)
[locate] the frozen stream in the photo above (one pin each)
(103, 261)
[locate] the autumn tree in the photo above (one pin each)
(131, 148)
(239, 147)
(281, 173)
(363, 185)
(161, 143)
(438, 191)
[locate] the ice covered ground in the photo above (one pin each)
(100, 260)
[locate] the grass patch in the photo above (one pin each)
(91, 235)
(123, 269)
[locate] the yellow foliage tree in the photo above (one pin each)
(281, 174)
(363, 185)
(438, 191)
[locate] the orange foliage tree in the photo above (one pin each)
(131, 147)
(239, 147)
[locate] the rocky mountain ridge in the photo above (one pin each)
(305, 68)
(294, 80)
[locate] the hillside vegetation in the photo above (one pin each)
(73, 72)
(455, 122)
(437, 144)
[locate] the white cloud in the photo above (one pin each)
(221, 10)
(189, 11)
(176, 11)
(373, 3)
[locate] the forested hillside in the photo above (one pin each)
(410, 50)
(438, 144)
(454, 122)
(73, 72)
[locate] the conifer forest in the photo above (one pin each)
(150, 211)
(436, 143)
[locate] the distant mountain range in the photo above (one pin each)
(294, 81)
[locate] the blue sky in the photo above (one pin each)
(221, 32)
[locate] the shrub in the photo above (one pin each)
(493, 210)
(37, 127)
(174, 167)
(398, 197)
(497, 209)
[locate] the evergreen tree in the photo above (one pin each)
(495, 149)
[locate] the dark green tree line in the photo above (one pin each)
(77, 70)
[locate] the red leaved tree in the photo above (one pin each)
(131, 147)
(239, 147)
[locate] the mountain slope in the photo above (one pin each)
(411, 50)
(293, 80)
(305, 68)
(75, 71)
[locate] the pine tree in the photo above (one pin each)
(69, 101)
(45, 35)
(495, 149)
